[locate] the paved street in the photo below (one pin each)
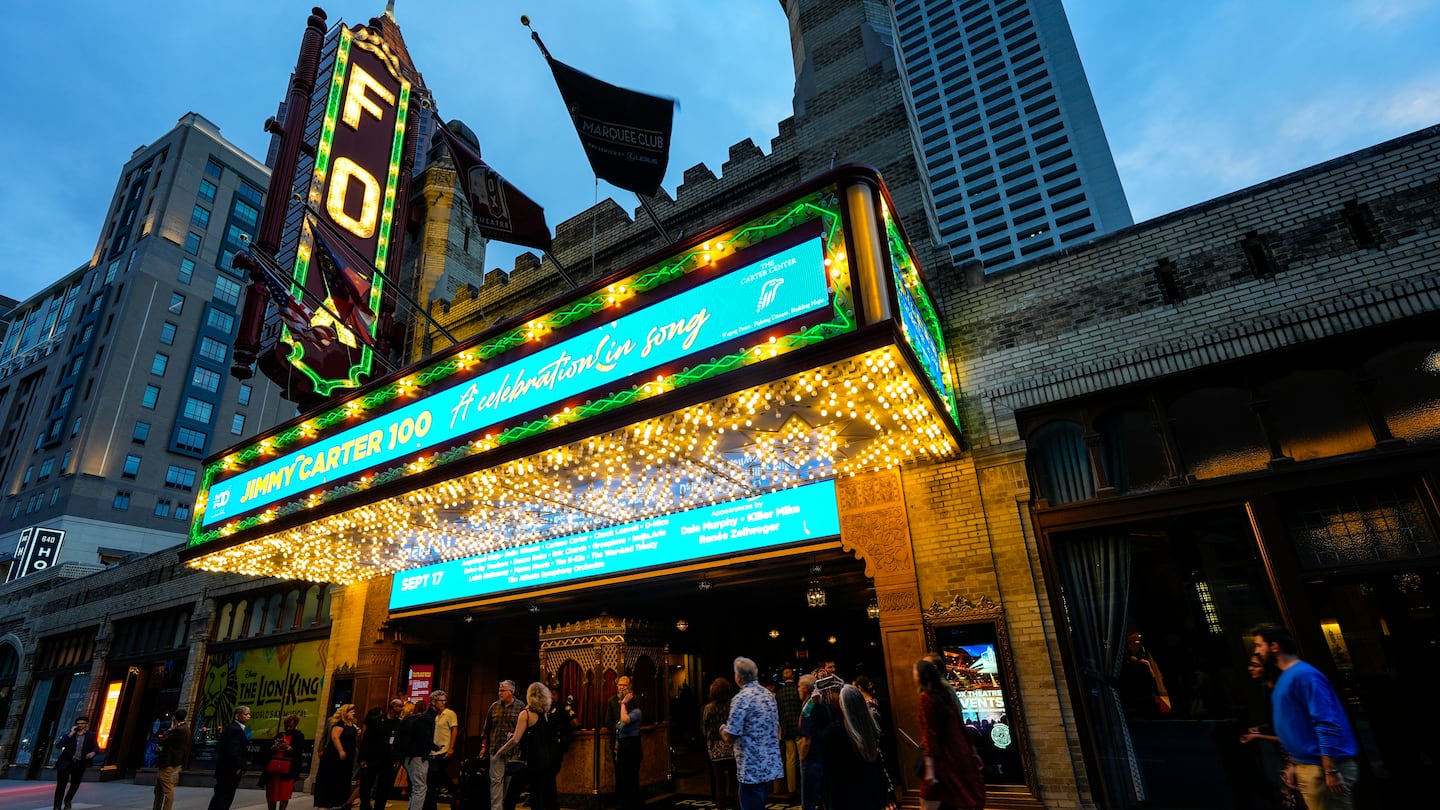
(18, 795)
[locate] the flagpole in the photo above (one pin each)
(565, 274)
(315, 217)
(655, 220)
(262, 263)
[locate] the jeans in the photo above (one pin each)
(498, 782)
(752, 797)
(165, 780)
(417, 769)
(1311, 779)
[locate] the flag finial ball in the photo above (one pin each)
(525, 20)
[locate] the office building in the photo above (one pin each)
(1012, 145)
(114, 380)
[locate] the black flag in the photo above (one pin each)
(626, 134)
(500, 210)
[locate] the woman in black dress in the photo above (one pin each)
(337, 763)
(532, 736)
(854, 774)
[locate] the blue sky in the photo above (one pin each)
(1198, 98)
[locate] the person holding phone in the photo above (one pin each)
(77, 750)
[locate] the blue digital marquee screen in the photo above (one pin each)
(768, 291)
(773, 519)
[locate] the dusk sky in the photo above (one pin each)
(1198, 98)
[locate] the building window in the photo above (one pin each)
(162, 507)
(15, 511)
(212, 349)
(177, 303)
(29, 474)
(227, 291)
(198, 409)
(65, 395)
(207, 191)
(180, 478)
(65, 463)
(46, 467)
(122, 500)
(167, 333)
(192, 243)
(205, 379)
(200, 217)
(75, 428)
(54, 495)
(111, 271)
(182, 511)
(237, 424)
(191, 440)
(187, 269)
(213, 169)
(152, 395)
(244, 396)
(159, 363)
(131, 468)
(221, 321)
(140, 433)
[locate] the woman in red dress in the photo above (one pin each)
(953, 778)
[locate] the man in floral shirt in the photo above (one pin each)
(754, 730)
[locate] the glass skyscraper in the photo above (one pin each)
(1013, 148)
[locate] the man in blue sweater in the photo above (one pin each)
(1310, 722)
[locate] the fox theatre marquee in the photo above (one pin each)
(746, 397)
(799, 333)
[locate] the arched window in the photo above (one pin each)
(273, 613)
(1218, 433)
(256, 626)
(643, 681)
(1317, 414)
(222, 624)
(1061, 464)
(290, 612)
(312, 606)
(1132, 451)
(1407, 390)
(570, 682)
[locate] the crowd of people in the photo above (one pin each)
(834, 731)
(814, 738)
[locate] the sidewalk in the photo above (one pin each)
(122, 795)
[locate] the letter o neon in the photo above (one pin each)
(364, 227)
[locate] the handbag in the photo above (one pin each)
(514, 767)
(279, 766)
(721, 750)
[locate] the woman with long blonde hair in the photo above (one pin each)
(337, 762)
(532, 736)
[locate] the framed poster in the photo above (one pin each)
(979, 666)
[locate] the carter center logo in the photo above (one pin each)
(768, 293)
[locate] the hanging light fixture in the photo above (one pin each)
(815, 597)
(832, 639)
(774, 633)
(706, 584)
(682, 625)
(873, 609)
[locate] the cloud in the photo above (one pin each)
(1386, 12)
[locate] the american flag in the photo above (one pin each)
(349, 290)
(293, 311)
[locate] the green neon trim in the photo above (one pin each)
(908, 275)
(822, 205)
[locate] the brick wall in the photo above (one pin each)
(1097, 316)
